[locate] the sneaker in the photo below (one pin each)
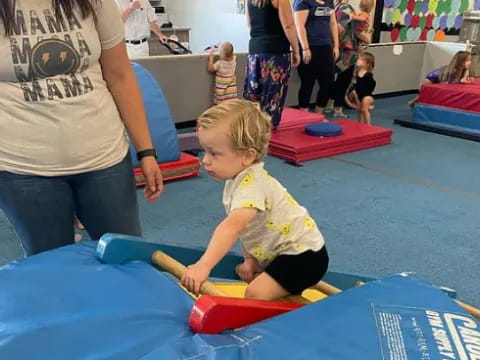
(328, 110)
(78, 237)
(339, 114)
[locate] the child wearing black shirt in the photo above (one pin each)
(359, 95)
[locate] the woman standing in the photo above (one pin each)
(272, 34)
(318, 32)
(68, 94)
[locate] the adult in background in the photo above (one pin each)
(63, 116)
(272, 33)
(139, 18)
(349, 45)
(318, 33)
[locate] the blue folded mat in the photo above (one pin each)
(66, 304)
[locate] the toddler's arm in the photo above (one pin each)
(466, 79)
(363, 16)
(223, 239)
(365, 36)
(211, 65)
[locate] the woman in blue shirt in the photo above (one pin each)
(318, 33)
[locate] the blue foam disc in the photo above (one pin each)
(323, 129)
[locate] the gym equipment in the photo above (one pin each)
(130, 310)
(323, 130)
(448, 109)
(172, 162)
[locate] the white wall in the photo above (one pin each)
(211, 21)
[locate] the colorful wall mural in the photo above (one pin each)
(410, 20)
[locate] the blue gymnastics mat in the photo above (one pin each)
(66, 304)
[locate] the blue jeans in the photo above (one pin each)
(41, 209)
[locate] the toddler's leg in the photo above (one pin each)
(412, 102)
(367, 102)
(350, 100)
(360, 116)
(264, 287)
(78, 224)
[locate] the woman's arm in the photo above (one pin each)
(122, 83)
(334, 31)
(288, 24)
(134, 5)
(247, 15)
(300, 22)
(156, 29)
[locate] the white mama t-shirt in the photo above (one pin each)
(57, 116)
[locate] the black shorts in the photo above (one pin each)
(296, 273)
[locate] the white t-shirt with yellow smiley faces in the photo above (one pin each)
(281, 225)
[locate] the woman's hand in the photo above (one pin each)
(134, 5)
(307, 55)
(153, 178)
(195, 276)
(296, 59)
(336, 53)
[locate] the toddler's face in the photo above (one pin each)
(221, 161)
(361, 64)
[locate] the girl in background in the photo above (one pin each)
(455, 72)
(224, 69)
(359, 96)
(362, 22)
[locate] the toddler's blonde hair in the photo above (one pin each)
(226, 50)
(366, 5)
(250, 128)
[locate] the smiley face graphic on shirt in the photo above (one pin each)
(54, 57)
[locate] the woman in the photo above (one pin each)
(68, 93)
(349, 48)
(272, 33)
(318, 32)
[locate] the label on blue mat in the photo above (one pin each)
(407, 333)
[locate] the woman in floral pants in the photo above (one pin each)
(272, 33)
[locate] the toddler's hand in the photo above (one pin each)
(194, 277)
(248, 270)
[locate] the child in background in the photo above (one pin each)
(363, 36)
(284, 251)
(224, 69)
(362, 22)
(359, 96)
(455, 72)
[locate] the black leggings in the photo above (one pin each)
(321, 69)
(341, 85)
